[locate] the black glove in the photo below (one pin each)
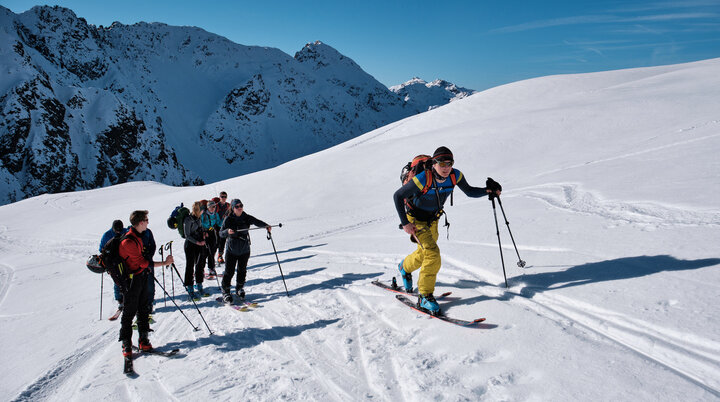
(492, 185)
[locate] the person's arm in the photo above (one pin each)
(408, 190)
(470, 191)
(190, 228)
(105, 238)
(257, 222)
(224, 228)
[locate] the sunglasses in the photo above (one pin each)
(445, 163)
(238, 206)
(223, 196)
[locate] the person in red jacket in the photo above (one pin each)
(136, 298)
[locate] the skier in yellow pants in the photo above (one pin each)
(419, 203)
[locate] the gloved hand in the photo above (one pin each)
(494, 188)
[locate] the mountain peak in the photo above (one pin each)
(425, 96)
(320, 55)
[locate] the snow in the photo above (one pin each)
(610, 187)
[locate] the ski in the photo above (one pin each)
(239, 307)
(156, 352)
(213, 277)
(251, 304)
(441, 316)
(398, 289)
(116, 315)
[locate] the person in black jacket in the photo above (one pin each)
(235, 230)
(194, 252)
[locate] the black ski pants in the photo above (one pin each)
(231, 260)
(211, 242)
(137, 301)
(194, 263)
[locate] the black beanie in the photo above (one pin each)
(118, 226)
(442, 154)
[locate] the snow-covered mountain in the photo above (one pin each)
(84, 106)
(423, 95)
(611, 190)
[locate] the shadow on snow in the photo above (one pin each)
(249, 337)
(594, 272)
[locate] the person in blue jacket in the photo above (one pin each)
(117, 229)
(211, 223)
(419, 204)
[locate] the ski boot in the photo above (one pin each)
(191, 293)
(227, 298)
(428, 303)
(220, 259)
(200, 292)
(144, 343)
(406, 277)
(127, 348)
(240, 292)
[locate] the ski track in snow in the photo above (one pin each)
(69, 370)
(693, 357)
(6, 276)
(641, 152)
(356, 366)
(572, 198)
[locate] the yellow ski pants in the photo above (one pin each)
(426, 256)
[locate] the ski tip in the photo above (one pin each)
(476, 321)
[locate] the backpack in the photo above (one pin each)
(422, 163)
(114, 264)
(176, 219)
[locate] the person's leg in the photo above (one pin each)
(431, 259)
(230, 264)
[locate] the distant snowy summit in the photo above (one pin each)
(425, 96)
(85, 106)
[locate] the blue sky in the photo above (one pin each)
(476, 44)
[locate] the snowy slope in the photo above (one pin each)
(611, 192)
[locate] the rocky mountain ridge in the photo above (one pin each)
(84, 106)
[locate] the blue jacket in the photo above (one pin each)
(107, 237)
(425, 207)
(210, 220)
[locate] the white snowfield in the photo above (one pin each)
(611, 190)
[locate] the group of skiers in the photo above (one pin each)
(208, 227)
(222, 227)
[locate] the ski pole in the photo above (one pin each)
(188, 292)
(520, 262)
(269, 236)
(168, 246)
(497, 229)
(101, 293)
(178, 307)
(264, 227)
(414, 236)
(163, 272)
(193, 301)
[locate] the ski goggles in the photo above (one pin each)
(445, 163)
